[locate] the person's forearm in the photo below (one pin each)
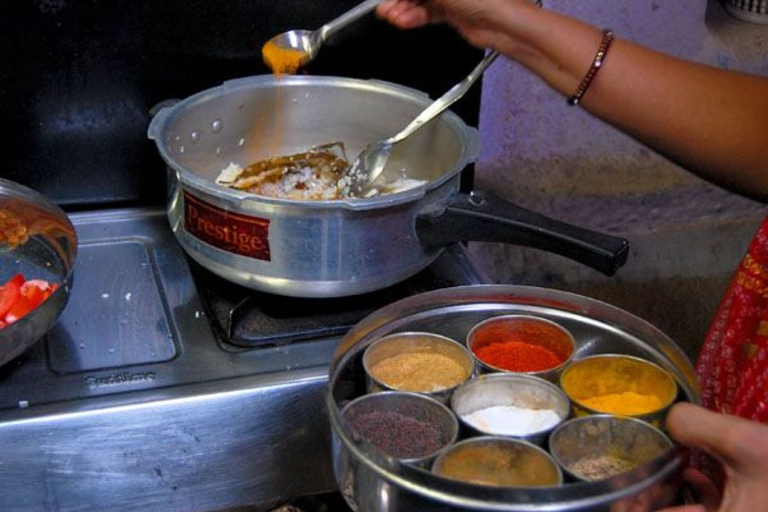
(711, 121)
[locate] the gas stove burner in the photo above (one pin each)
(247, 318)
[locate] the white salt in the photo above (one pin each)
(511, 420)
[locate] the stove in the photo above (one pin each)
(164, 387)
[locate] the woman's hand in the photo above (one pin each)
(740, 445)
(484, 24)
(681, 109)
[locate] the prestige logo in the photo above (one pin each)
(228, 231)
(119, 379)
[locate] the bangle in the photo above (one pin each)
(605, 44)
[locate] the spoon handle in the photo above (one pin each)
(446, 100)
(348, 17)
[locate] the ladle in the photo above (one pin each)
(306, 43)
(369, 164)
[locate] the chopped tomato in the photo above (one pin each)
(18, 297)
(21, 307)
(9, 293)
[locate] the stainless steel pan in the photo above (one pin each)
(341, 247)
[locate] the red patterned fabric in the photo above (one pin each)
(733, 364)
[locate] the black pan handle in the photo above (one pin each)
(483, 217)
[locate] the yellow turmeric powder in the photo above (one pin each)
(282, 61)
(627, 403)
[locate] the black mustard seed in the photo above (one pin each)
(396, 434)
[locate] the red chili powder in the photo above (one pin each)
(518, 356)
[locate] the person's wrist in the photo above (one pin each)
(517, 29)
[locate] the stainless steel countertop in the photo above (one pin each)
(132, 403)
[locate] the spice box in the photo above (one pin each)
(597, 329)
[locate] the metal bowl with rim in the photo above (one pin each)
(38, 241)
(600, 446)
(622, 379)
(537, 406)
(391, 364)
(499, 462)
(411, 427)
(371, 482)
(543, 336)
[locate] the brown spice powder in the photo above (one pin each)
(419, 372)
(601, 466)
(498, 465)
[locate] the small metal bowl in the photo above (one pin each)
(418, 362)
(38, 241)
(540, 406)
(410, 427)
(498, 462)
(597, 447)
(605, 375)
(532, 330)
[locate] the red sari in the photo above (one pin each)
(733, 363)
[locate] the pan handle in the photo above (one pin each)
(483, 217)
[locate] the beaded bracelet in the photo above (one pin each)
(596, 65)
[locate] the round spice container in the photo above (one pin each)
(498, 462)
(597, 447)
(419, 362)
(619, 384)
(508, 404)
(521, 344)
(407, 426)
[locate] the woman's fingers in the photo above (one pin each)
(740, 444)
(404, 13)
(704, 490)
(684, 508)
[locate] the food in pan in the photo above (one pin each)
(313, 175)
(19, 296)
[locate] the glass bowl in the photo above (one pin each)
(37, 240)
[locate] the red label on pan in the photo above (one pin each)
(228, 231)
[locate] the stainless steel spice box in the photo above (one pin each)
(371, 481)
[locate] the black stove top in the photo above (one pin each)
(247, 318)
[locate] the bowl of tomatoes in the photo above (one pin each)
(38, 249)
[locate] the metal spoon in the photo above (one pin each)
(309, 42)
(371, 161)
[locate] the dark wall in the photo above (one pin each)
(79, 78)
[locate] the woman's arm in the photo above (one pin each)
(710, 121)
